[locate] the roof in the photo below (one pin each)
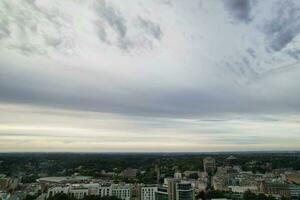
(59, 179)
(231, 158)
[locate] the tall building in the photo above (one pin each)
(175, 189)
(171, 183)
(162, 193)
(184, 191)
(209, 165)
(157, 173)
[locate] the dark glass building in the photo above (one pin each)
(161, 193)
(184, 191)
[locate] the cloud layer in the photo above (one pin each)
(171, 69)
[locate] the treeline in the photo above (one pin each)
(64, 164)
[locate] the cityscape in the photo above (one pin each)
(149, 100)
(159, 176)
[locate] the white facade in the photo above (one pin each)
(105, 191)
(242, 189)
(147, 192)
(123, 192)
(56, 190)
(79, 193)
(177, 175)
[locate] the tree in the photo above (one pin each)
(30, 197)
(61, 196)
(94, 197)
(201, 195)
(249, 196)
(215, 194)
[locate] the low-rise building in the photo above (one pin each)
(79, 191)
(122, 191)
(147, 192)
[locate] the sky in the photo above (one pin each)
(149, 76)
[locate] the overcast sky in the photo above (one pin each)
(155, 75)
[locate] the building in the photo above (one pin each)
(175, 189)
(105, 190)
(242, 189)
(162, 193)
(56, 190)
(219, 183)
(290, 191)
(147, 192)
(49, 182)
(171, 184)
(177, 175)
(231, 161)
(79, 191)
(184, 191)
(129, 173)
(293, 177)
(122, 191)
(209, 165)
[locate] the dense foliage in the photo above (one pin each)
(33, 165)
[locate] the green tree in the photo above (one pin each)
(201, 195)
(61, 196)
(249, 196)
(215, 194)
(30, 197)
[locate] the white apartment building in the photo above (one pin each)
(56, 190)
(123, 192)
(79, 191)
(105, 190)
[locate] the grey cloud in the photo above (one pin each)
(294, 53)
(240, 10)
(39, 89)
(25, 21)
(114, 19)
(4, 31)
(166, 2)
(153, 95)
(241, 69)
(251, 52)
(51, 41)
(284, 26)
(109, 17)
(277, 70)
(150, 28)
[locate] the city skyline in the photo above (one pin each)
(149, 76)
